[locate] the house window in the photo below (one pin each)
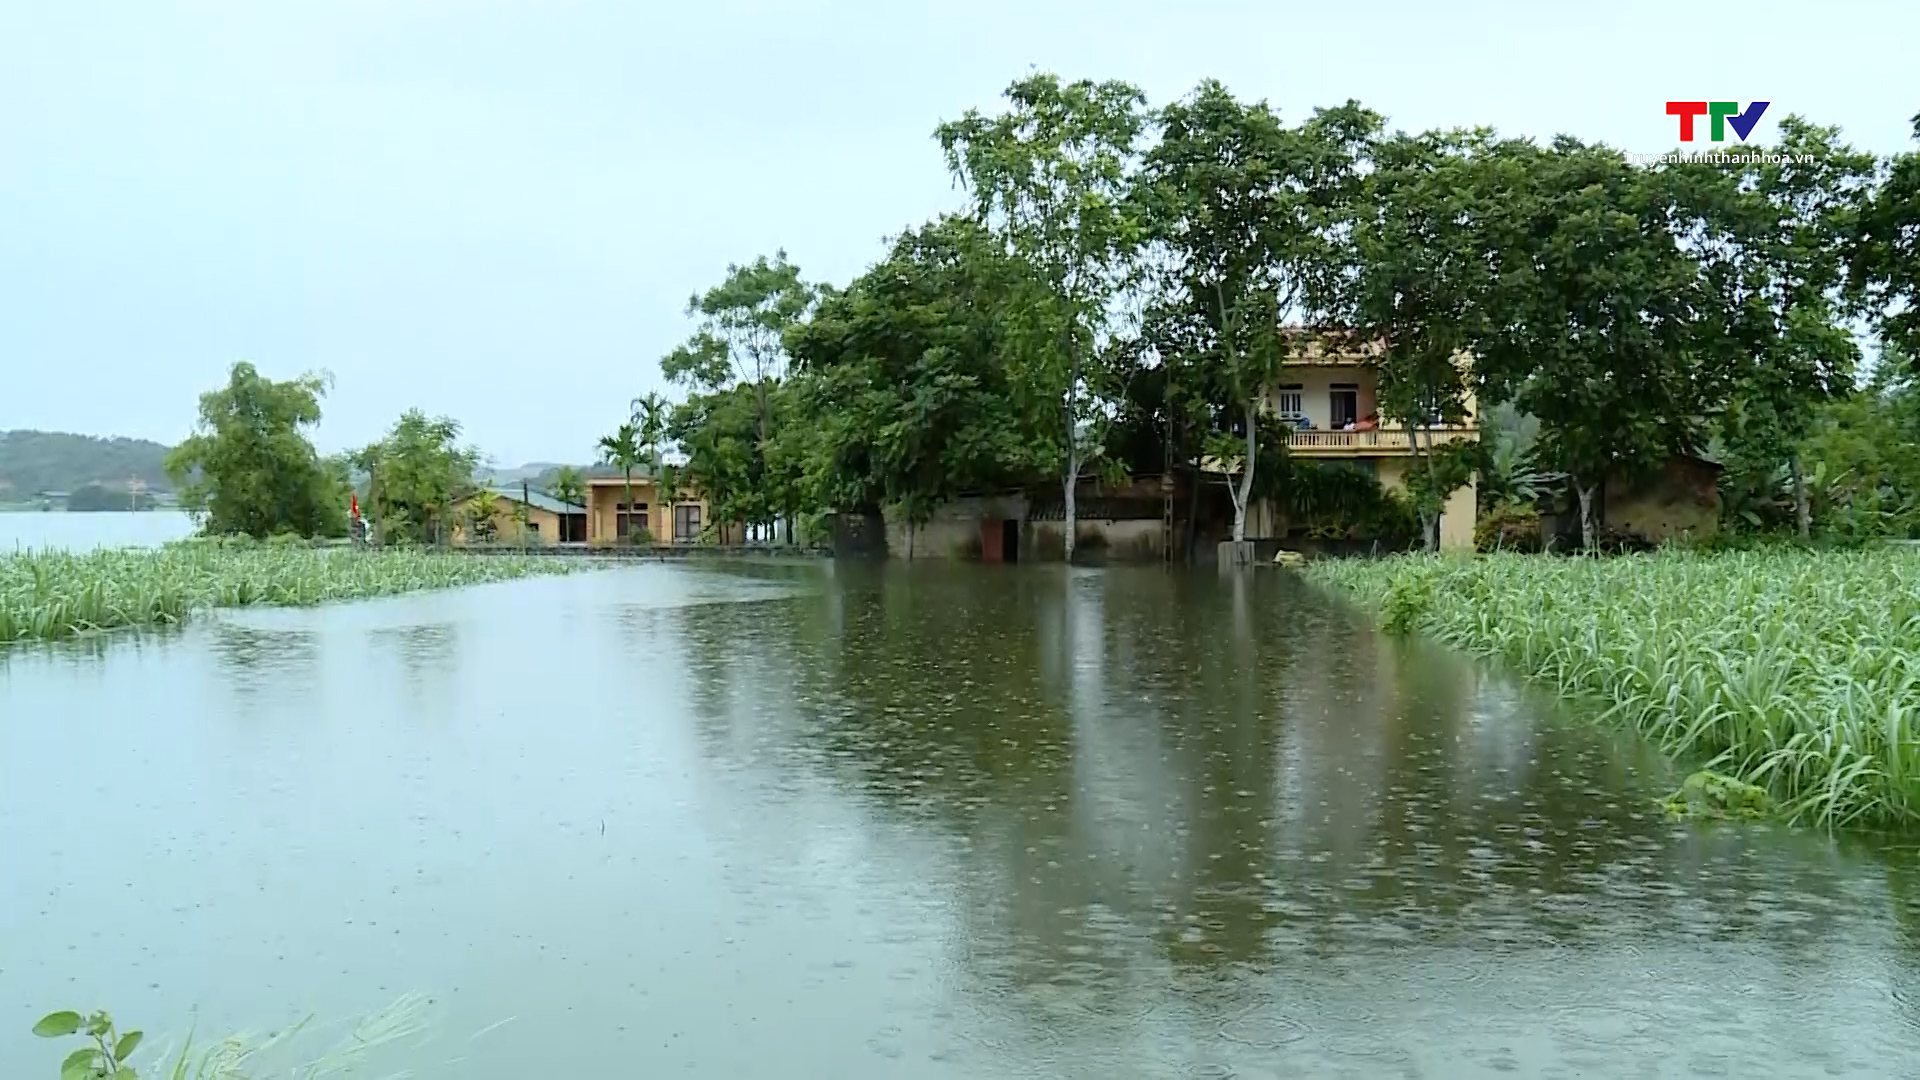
(629, 517)
(1343, 401)
(1292, 402)
(686, 524)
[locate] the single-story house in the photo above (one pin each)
(524, 517)
(677, 518)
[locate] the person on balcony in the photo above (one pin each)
(1371, 423)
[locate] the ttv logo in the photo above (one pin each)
(1722, 113)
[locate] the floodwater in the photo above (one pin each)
(851, 822)
(36, 529)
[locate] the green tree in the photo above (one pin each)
(481, 524)
(249, 468)
(1864, 452)
(901, 388)
(417, 472)
(1050, 178)
(740, 343)
(1250, 215)
(623, 451)
(569, 485)
(1772, 236)
(720, 434)
(1598, 323)
(1424, 281)
(1885, 255)
(654, 415)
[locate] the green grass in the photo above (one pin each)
(49, 595)
(1797, 671)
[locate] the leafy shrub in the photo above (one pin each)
(1508, 527)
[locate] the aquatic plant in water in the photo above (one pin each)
(48, 595)
(1708, 794)
(1797, 672)
(109, 1054)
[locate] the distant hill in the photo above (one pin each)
(529, 472)
(36, 461)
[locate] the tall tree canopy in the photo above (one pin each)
(1127, 285)
(903, 381)
(1050, 178)
(1426, 272)
(740, 348)
(1886, 255)
(416, 473)
(1252, 219)
(1598, 323)
(249, 468)
(1772, 238)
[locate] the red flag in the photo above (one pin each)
(353, 504)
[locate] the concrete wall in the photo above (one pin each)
(1096, 541)
(1682, 500)
(952, 531)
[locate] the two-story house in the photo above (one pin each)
(1329, 395)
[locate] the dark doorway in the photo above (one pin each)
(1343, 405)
(1010, 541)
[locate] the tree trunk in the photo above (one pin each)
(1193, 511)
(616, 514)
(1802, 508)
(1589, 531)
(1067, 492)
(1245, 491)
(1073, 448)
(1423, 461)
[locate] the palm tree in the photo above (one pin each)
(481, 525)
(651, 413)
(568, 485)
(622, 451)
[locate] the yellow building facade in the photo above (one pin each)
(610, 517)
(1331, 397)
(522, 518)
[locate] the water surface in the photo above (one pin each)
(40, 529)
(808, 821)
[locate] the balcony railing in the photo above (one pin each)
(1378, 441)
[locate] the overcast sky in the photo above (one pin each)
(497, 211)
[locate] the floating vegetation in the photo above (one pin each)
(49, 595)
(1708, 794)
(1794, 672)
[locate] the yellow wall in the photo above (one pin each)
(1316, 385)
(604, 499)
(544, 525)
(1456, 517)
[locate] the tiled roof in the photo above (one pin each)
(537, 499)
